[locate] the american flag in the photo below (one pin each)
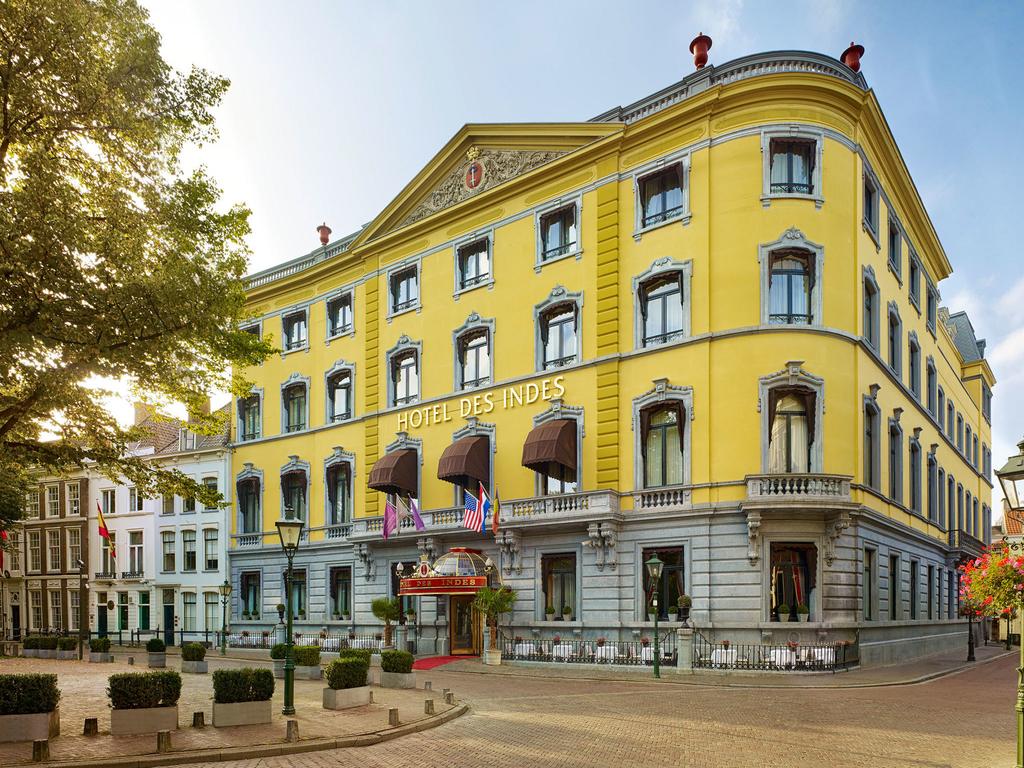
(473, 519)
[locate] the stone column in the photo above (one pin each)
(401, 633)
(684, 649)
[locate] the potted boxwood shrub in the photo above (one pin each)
(67, 648)
(396, 669)
(346, 682)
(803, 612)
(143, 702)
(29, 707)
(566, 613)
(783, 612)
(242, 696)
(492, 603)
(387, 610)
(307, 662)
(157, 653)
(99, 650)
(277, 653)
(549, 613)
(673, 613)
(685, 602)
(193, 658)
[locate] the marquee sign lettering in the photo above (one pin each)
(484, 403)
(442, 585)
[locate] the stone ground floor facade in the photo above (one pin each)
(887, 589)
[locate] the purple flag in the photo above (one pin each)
(416, 515)
(390, 518)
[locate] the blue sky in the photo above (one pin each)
(334, 106)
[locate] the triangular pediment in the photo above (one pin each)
(478, 159)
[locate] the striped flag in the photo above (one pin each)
(416, 519)
(497, 512)
(105, 532)
(390, 518)
(484, 502)
(472, 519)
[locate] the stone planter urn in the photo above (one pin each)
(194, 667)
(129, 722)
(44, 725)
(345, 698)
(242, 713)
(100, 658)
(397, 679)
(158, 660)
(492, 657)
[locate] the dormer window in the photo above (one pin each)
(558, 233)
(186, 440)
(404, 287)
(339, 315)
(792, 166)
(294, 331)
(474, 263)
(661, 196)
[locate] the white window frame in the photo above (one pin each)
(34, 565)
(473, 325)
(403, 267)
(254, 392)
(78, 499)
(660, 268)
(792, 240)
(793, 375)
(792, 133)
(576, 201)
(341, 366)
(52, 567)
(72, 558)
(403, 346)
(55, 503)
(206, 553)
(351, 294)
(559, 295)
(135, 500)
(662, 392)
(339, 457)
(32, 504)
(641, 174)
(285, 315)
(292, 380)
(463, 242)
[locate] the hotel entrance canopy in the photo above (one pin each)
(460, 571)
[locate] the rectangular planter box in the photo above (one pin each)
(46, 654)
(195, 667)
(44, 725)
(67, 655)
(100, 658)
(128, 722)
(243, 713)
(30, 653)
(397, 679)
(158, 660)
(346, 697)
(308, 673)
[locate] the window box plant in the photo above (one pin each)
(67, 648)
(549, 613)
(307, 662)
(143, 702)
(346, 683)
(783, 612)
(245, 615)
(193, 659)
(673, 613)
(157, 653)
(566, 613)
(242, 696)
(29, 707)
(684, 603)
(99, 650)
(803, 612)
(396, 670)
(277, 653)
(345, 616)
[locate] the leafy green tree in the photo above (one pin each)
(492, 603)
(387, 610)
(116, 263)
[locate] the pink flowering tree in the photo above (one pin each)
(993, 584)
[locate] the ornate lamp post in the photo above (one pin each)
(654, 566)
(225, 596)
(290, 531)
(1011, 477)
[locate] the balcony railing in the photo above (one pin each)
(131, 574)
(966, 543)
(810, 487)
(560, 507)
(662, 498)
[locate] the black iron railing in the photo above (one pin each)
(792, 188)
(600, 651)
(785, 657)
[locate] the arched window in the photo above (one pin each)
(662, 433)
(558, 326)
(791, 280)
(791, 414)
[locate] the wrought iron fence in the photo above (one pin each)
(599, 651)
(327, 641)
(786, 657)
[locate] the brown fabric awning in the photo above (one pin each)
(466, 462)
(395, 472)
(552, 441)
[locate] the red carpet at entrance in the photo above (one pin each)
(434, 661)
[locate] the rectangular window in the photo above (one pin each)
(167, 504)
(74, 493)
(35, 552)
(974, 444)
(871, 314)
(188, 505)
(558, 233)
(35, 600)
(931, 591)
(405, 377)
(56, 612)
(249, 417)
(986, 402)
(870, 578)
(294, 333)
(895, 244)
(122, 611)
(294, 408)
(293, 486)
(949, 418)
(662, 447)
(188, 610)
(74, 610)
(210, 548)
(915, 369)
(960, 432)
(475, 359)
(134, 500)
(250, 597)
(339, 396)
(895, 333)
(107, 561)
(474, 263)
(792, 166)
(933, 308)
(915, 281)
(933, 489)
(870, 206)
(914, 568)
(915, 476)
(53, 501)
(661, 196)
(932, 394)
(404, 288)
(794, 573)
(186, 440)
(210, 484)
(673, 578)
(339, 315)
(14, 553)
(136, 564)
(895, 464)
(32, 504)
(558, 336)
(108, 501)
(143, 598)
(951, 593)
(211, 602)
(872, 449)
(558, 573)
(339, 493)
(188, 548)
(74, 547)
(248, 504)
(53, 550)
(341, 593)
(167, 538)
(661, 309)
(894, 587)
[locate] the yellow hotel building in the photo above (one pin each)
(706, 325)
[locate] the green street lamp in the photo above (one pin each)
(1011, 477)
(225, 596)
(289, 529)
(654, 566)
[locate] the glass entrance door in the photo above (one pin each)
(465, 626)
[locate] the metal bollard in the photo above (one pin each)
(371, 697)
(292, 734)
(428, 707)
(40, 751)
(163, 741)
(198, 719)
(91, 727)
(393, 716)
(445, 692)
(131, 661)
(449, 698)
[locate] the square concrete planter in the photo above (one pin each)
(194, 667)
(44, 725)
(46, 654)
(308, 673)
(243, 713)
(67, 655)
(397, 679)
(129, 722)
(346, 697)
(100, 658)
(30, 653)
(158, 660)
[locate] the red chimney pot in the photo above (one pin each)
(851, 56)
(702, 44)
(325, 233)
